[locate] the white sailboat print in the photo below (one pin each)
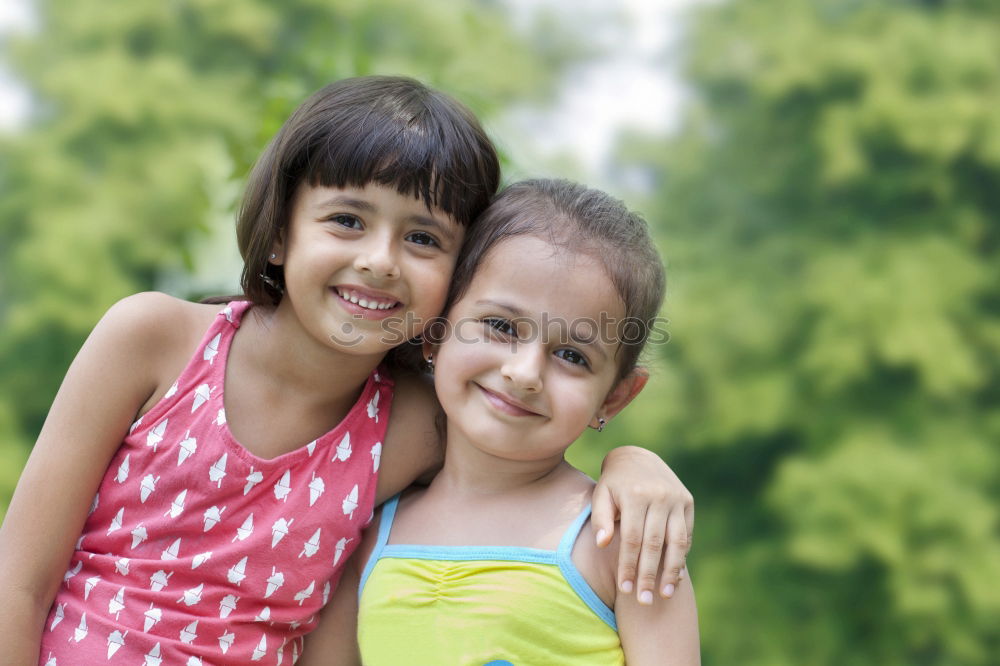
(228, 312)
(212, 516)
(171, 391)
(153, 656)
(274, 581)
(260, 650)
(172, 551)
(211, 349)
(155, 436)
(186, 448)
(72, 571)
(189, 633)
(89, 585)
(326, 592)
(373, 406)
(310, 447)
(122, 474)
(93, 505)
(138, 535)
(58, 616)
(194, 661)
(81, 630)
(117, 603)
(279, 529)
(343, 451)
(238, 571)
(121, 565)
(264, 615)
(244, 530)
(227, 605)
(200, 559)
(201, 396)
(283, 486)
(137, 423)
(51, 661)
(116, 640)
(218, 469)
(304, 594)
(253, 478)
(177, 506)
(350, 502)
(152, 616)
(339, 549)
(376, 456)
(192, 596)
(220, 417)
(147, 486)
(226, 641)
(159, 580)
(310, 547)
(116, 522)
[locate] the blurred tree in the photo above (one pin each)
(147, 113)
(831, 393)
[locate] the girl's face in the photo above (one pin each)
(529, 359)
(366, 268)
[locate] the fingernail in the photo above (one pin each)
(600, 535)
(646, 598)
(668, 590)
(626, 586)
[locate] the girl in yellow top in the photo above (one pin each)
(494, 564)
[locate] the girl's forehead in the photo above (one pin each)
(539, 277)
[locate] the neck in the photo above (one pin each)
(294, 361)
(472, 472)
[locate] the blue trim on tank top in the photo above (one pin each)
(561, 557)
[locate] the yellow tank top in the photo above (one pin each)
(481, 606)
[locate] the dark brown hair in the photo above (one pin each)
(393, 131)
(580, 219)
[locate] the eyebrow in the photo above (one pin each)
(368, 207)
(518, 312)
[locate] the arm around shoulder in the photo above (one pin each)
(116, 371)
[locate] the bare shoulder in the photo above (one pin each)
(158, 333)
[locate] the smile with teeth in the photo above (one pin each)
(367, 302)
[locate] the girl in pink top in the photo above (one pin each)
(205, 471)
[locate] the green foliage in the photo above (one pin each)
(830, 216)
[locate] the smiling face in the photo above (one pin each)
(365, 268)
(524, 368)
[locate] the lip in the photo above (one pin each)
(366, 293)
(506, 404)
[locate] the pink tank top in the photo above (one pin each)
(198, 552)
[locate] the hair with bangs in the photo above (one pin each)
(578, 219)
(392, 131)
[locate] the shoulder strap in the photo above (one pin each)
(384, 528)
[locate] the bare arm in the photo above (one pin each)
(654, 509)
(112, 377)
(413, 446)
(664, 635)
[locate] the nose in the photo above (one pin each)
(378, 259)
(523, 367)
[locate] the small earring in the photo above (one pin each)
(430, 364)
(274, 255)
(600, 424)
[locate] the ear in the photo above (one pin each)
(622, 393)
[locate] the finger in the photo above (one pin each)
(678, 544)
(631, 527)
(651, 553)
(603, 513)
